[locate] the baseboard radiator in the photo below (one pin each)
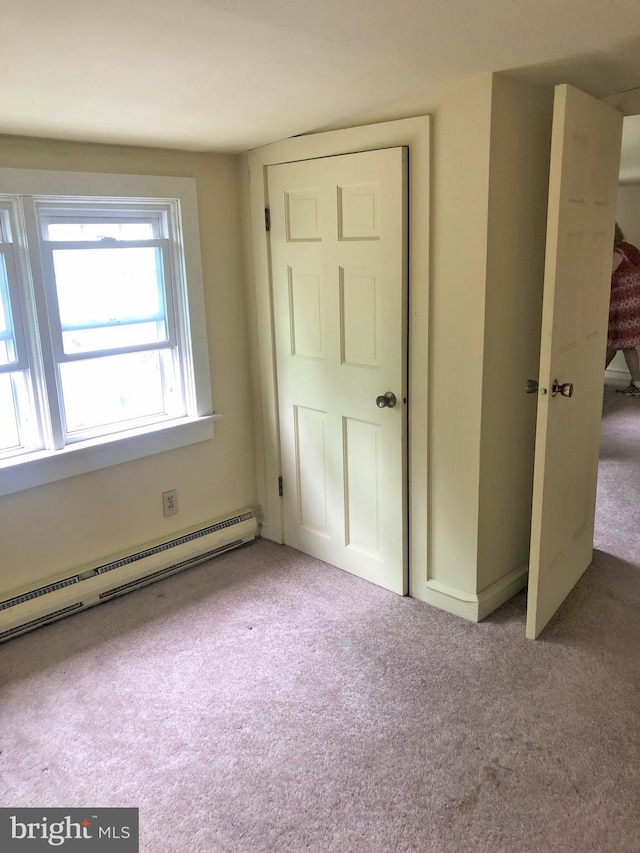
(95, 584)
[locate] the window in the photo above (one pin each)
(102, 339)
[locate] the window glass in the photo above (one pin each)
(7, 338)
(116, 389)
(9, 433)
(102, 230)
(110, 298)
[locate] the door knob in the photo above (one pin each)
(564, 388)
(532, 386)
(386, 401)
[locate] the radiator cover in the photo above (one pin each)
(90, 585)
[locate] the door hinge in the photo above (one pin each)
(280, 491)
(267, 219)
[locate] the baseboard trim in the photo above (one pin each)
(476, 606)
(453, 600)
(621, 376)
(501, 591)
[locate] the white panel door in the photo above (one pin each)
(338, 251)
(585, 153)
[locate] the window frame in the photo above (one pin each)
(41, 191)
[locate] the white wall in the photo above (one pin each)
(54, 528)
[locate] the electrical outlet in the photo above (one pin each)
(170, 502)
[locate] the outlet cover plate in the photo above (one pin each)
(170, 502)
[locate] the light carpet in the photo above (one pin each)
(268, 702)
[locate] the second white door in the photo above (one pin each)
(585, 155)
(339, 267)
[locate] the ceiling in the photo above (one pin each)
(230, 75)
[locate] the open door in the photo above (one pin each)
(585, 155)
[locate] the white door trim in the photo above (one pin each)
(415, 134)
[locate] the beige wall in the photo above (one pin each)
(519, 174)
(489, 170)
(487, 188)
(460, 163)
(461, 124)
(48, 530)
(490, 166)
(628, 212)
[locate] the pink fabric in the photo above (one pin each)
(624, 307)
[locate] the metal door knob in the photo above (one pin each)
(564, 388)
(532, 386)
(386, 401)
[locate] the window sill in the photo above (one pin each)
(48, 466)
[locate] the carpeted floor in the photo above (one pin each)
(268, 702)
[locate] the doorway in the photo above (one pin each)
(617, 533)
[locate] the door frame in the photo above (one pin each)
(415, 134)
